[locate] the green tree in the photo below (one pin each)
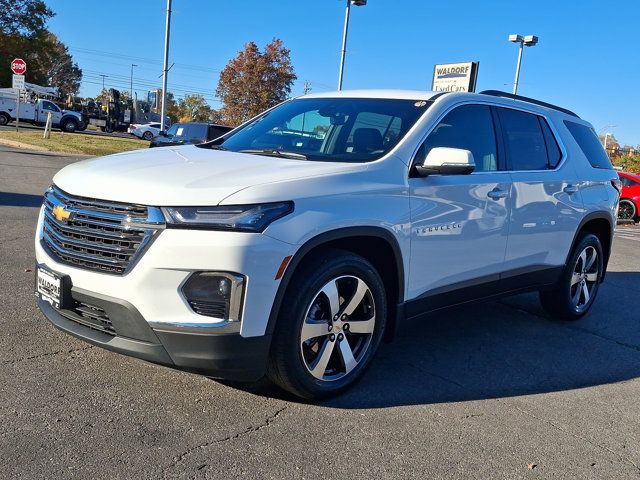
(24, 34)
(173, 110)
(194, 108)
(254, 81)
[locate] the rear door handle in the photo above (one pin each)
(497, 194)
(570, 189)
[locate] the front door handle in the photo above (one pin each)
(570, 189)
(497, 194)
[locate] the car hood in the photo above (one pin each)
(186, 175)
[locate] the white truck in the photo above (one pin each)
(36, 113)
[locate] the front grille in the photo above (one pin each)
(95, 234)
(90, 316)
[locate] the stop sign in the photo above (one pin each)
(18, 66)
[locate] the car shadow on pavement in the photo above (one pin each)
(8, 199)
(499, 349)
(503, 349)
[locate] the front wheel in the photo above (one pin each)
(574, 294)
(329, 327)
(627, 210)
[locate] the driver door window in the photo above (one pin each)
(469, 127)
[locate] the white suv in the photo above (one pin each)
(293, 244)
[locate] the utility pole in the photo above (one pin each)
(165, 69)
(103, 77)
(131, 89)
(306, 88)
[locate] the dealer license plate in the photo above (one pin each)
(49, 286)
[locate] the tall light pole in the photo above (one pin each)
(524, 41)
(103, 77)
(165, 68)
(131, 90)
(357, 3)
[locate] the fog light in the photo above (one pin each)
(215, 294)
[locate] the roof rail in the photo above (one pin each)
(498, 93)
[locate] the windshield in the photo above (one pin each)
(328, 129)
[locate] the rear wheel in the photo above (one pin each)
(329, 326)
(627, 210)
(4, 119)
(147, 136)
(574, 294)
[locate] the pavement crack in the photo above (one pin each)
(47, 354)
(178, 459)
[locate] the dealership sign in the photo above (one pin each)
(455, 77)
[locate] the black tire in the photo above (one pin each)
(69, 126)
(147, 136)
(627, 210)
(82, 127)
(289, 362)
(108, 130)
(560, 301)
(4, 119)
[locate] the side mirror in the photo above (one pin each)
(447, 161)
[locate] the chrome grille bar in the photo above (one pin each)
(95, 234)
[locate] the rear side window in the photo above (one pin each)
(589, 143)
(627, 182)
(469, 127)
(197, 131)
(524, 140)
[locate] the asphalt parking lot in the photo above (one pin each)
(486, 391)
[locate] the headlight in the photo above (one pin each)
(243, 218)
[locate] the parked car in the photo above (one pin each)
(190, 133)
(291, 246)
(629, 208)
(146, 131)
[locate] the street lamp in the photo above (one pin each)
(524, 41)
(131, 90)
(357, 3)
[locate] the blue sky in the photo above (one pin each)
(588, 58)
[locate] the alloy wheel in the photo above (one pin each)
(626, 210)
(584, 278)
(338, 328)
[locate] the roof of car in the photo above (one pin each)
(390, 94)
(496, 96)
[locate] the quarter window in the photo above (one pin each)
(589, 143)
(469, 127)
(524, 140)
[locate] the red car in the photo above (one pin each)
(630, 198)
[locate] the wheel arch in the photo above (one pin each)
(599, 224)
(376, 244)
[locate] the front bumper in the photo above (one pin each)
(216, 355)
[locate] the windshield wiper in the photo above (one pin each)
(275, 153)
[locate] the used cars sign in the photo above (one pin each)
(455, 77)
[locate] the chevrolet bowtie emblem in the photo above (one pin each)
(61, 214)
